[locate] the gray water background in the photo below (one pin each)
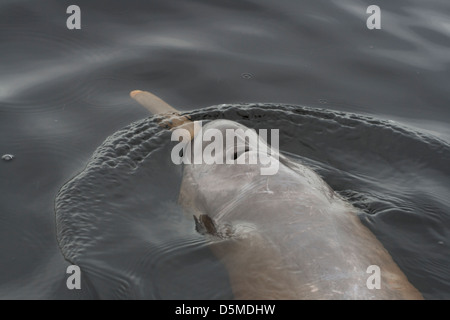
(62, 92)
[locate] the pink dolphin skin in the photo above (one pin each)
(287, 235)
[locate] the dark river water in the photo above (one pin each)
(91, 181)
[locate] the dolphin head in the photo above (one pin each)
(223, 163)
(228, 167)
(230, 171)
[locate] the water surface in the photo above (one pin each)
(63, 92)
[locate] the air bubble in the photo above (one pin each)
(7, 157)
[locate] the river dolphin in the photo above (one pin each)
(282, 236)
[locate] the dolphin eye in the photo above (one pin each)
(236, 153)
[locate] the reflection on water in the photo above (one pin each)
(62, 92)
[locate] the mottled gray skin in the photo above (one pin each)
(286, 236)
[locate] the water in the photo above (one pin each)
(382, 142)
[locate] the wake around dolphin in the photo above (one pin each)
(281, 236)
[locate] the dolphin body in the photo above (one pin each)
(283, 236)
